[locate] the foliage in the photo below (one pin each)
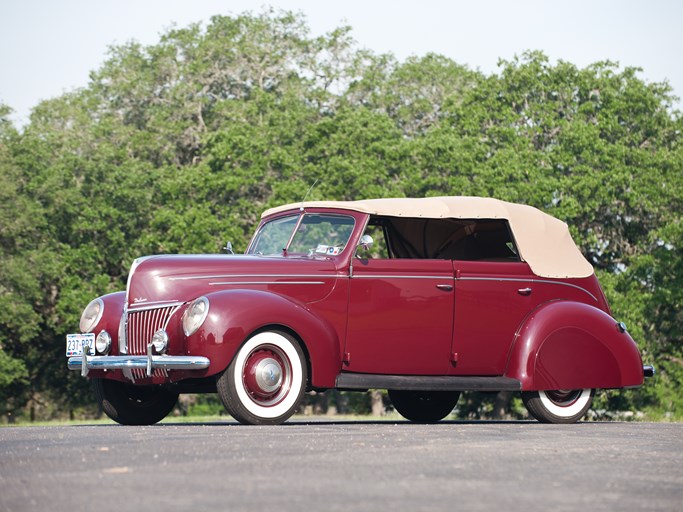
(179, 146)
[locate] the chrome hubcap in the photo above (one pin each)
(268, 375)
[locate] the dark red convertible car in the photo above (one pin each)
(423, 297)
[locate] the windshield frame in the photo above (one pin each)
(301, 216)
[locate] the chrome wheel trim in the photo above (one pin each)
(572, 404)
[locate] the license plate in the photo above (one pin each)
(75, 343)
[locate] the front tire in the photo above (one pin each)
(265, 382)
(559, 406)
(424, 406)
(134, 405)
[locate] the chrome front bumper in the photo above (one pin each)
(149, 362)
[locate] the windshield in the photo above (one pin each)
(323, 234)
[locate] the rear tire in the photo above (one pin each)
(424, 406)
(559, 406)
(128, 404)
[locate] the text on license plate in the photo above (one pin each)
(75, 342)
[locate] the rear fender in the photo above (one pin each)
(236, 314)
(569, 345)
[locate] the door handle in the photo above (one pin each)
(445, 287)
(524, 291)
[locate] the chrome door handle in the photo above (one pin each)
(445, 287)
(524, 291)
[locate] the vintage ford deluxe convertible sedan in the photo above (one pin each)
(423, 297)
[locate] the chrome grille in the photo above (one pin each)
(141, 326)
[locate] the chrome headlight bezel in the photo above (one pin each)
(160, 341)
(103, 343)
(91, 316)
(195, 315)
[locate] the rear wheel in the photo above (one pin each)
(558, 406)
(424, 406)
(134, 405)
(266, 380)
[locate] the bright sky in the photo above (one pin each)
(49, 47)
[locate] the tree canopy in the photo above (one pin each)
(179, 146)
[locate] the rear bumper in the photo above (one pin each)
(149, 363)
(648, 371)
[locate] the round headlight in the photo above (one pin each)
(103, 343)
(91, 315)
(160, 341)
(194, 315)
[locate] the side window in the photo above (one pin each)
(481, 240)
(452, 239)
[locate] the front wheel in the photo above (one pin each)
(559, 406)
(424, 406)
(266, 380)
(134, 405)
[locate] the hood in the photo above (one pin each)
(171, 279)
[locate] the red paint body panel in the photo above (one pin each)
(569, 345)
(492, 299)
(488, 310)
(233, 318)
(399, 322)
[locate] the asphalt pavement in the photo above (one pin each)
(349, 466)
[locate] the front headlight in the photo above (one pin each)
(91, 315)
(194, 315)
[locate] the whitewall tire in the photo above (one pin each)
(559, 406)
(266, 380)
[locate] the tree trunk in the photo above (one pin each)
(376, 402)
(501, 406)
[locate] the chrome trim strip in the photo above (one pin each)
(170, 315)
(241, 276)
(140, 362)
(527, 280)
(264, 282)
(392, 276)
(145, 306)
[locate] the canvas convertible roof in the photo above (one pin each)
(543, 241)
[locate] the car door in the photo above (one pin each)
(491, 301)
(400, 317)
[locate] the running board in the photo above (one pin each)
(426, 383)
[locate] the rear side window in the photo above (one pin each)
(453, 239)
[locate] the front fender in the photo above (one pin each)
(569, 345)
(235, 314)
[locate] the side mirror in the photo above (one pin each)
(366, 242)
(228, 248)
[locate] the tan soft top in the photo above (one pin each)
(543, 241)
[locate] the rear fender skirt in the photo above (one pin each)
(570, 345)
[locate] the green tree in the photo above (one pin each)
(180, 145)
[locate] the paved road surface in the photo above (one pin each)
(349, 466)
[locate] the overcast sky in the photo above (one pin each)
(48, 47)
